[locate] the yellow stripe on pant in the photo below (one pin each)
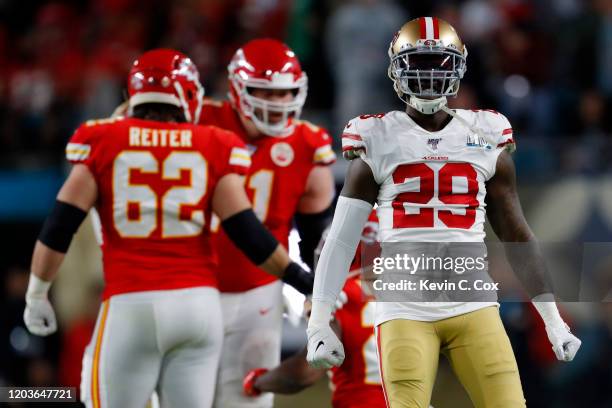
(95, 380)
(476, 345)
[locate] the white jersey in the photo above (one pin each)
(432, 184)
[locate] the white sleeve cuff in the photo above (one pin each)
(547, 308)
(339, 249)
(37, 287)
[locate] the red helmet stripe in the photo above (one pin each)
(436, 28)
(423, 27)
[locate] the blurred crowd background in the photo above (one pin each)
(546, 64)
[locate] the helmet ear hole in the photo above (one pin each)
(190, 95)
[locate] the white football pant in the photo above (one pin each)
(166, 341)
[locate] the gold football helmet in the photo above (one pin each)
(428, 60)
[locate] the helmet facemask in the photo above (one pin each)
(427, 74)
(260, 110)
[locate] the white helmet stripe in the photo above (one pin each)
(153, 97)
(429, 28)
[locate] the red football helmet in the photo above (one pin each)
(166, 76)
(267, 64)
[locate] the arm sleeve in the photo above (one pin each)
(238, 157)
(323, 153)
(500, 130)
(339, 249)
(356, 143)
(80, 148)
(353, 142)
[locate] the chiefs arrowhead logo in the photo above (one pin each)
(282, 154)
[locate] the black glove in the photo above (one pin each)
(299, 278)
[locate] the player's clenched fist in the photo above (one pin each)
(564, 343)
(324, 348)
(248, 383)
(39, 316)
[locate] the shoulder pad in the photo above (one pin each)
(103, 121)
(356, 133)
(318, 138)
(497, 126)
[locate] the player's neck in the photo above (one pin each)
(159, 112)
(432, 123)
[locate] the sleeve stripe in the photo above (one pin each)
(351, 136)
(77, 152)
(240, 161)
(353, 148)
(507, 142)
(240, 151)
(240, 157)
(507, 132)
(324, 154)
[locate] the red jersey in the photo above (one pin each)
(275, 184)
(155, 184)
(356, 383)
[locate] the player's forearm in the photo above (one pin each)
(547, 309)
(277, 262)
(55, 238)
(290, 377)
(45, 262)
(338, 251)
(262, 248)
(528, 264)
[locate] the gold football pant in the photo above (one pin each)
(476, 345)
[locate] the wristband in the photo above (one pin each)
(297, 277)
(37, 288)
(547, 308)
(320, 314)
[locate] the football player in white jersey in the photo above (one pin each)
(434, 173)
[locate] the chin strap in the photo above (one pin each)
(427, 106)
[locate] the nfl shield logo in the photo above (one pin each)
(434, 143)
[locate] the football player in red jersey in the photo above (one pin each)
(155, 180)
(356, 383)
(289, 180)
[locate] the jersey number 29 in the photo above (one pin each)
(422, 199)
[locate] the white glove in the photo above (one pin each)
(339, 304)
(39, 316)
(324, 348)
(564, 343)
